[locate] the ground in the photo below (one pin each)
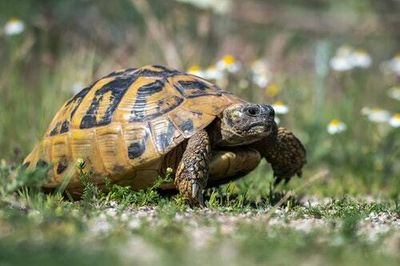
(124, 227)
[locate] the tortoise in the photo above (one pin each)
(134, 125)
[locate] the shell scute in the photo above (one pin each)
(105, 101)
(112, 149)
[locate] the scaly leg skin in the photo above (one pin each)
(192, 172)
(284, 152)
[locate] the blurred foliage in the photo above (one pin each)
(67, 44)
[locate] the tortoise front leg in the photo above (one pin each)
(284, 151)
(192, 173)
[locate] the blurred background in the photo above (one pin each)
(330, 68)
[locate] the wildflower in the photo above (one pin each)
(392, 65)
(228, 63)
(341, 61)
(347, 58)
(365, 110)
(14, 26)
(261, 73)
(394, 93)
(340, 64)
(272, 90)
(261, 80)
(361, 58)
(220, 6)
(336, 126)
(212, 72)
(394, 121)
(280, 107)
(376, 115)
(195, 70)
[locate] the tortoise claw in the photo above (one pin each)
(197, 194)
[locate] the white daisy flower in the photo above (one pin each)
(280, 107)
(347, 58)
(261, 80)
(212, 72)
(366, 110)
(14, 26)
(228, 63)
(261, 73)
(394, 92)
(220, 6)
(195, 70)
(342, 59)
(394, 121)
(360, 58)
(378, 115)
(392, 65)
(340, 64)
(336, 126)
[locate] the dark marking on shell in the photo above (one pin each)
(64, 127)
(187, 126)
(163, 73)
(77, 99)
(117, 87)
(138, 112)
(196, 88)
(136, 149)
(55, 130)
(197, 113)
(162, 108)
(62, 165)
(118, 168)
(166, 139)
(120, 72)
(80, 95)
(42, 163)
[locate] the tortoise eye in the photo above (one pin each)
(253, 110)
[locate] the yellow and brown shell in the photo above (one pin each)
(124, 124)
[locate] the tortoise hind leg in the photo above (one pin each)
(192, 173)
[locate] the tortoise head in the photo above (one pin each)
(244, 123)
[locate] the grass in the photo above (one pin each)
(348, 216)
(124, 227)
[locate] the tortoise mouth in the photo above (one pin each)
(260, 127)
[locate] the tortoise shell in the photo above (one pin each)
(126, 122)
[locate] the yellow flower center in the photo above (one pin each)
(360, 52)
(335, 122)
(228, 59)
(194, 68)
(396, 116)
(279, 103)
(14, 20)
(272, 90)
